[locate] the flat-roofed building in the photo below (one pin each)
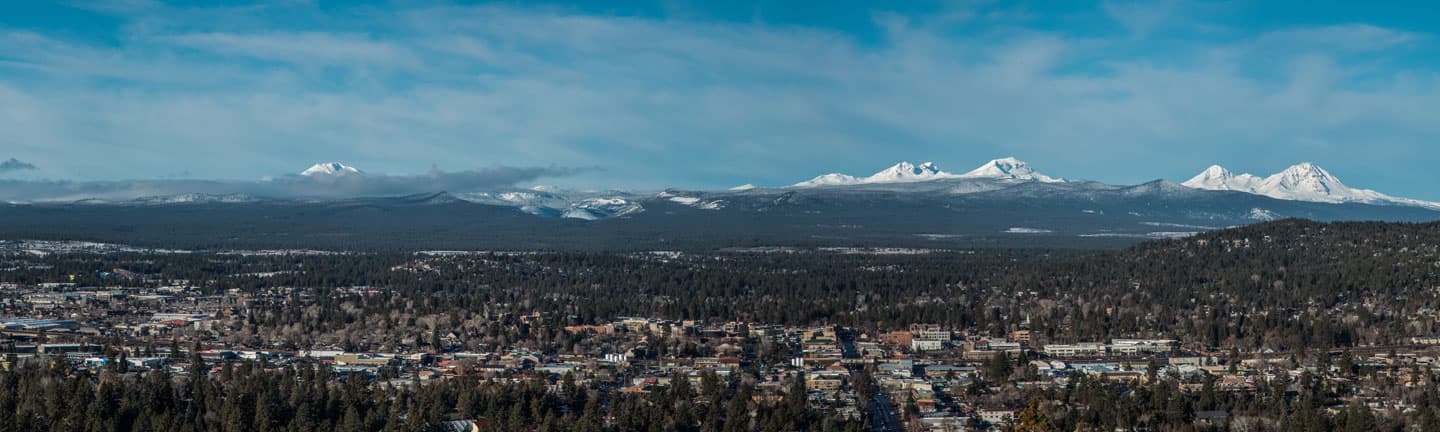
(1075, 350)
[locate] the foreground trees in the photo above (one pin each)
(247, 397)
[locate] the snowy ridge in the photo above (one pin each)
(1263, 215)
(193, 198)
(549, 201)
(1300, 182)
(601, 208)
(682, 198)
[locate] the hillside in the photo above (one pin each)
(1289, 283)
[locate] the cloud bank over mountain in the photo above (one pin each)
(291, 186)
(13, 164)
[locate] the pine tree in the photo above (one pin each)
(737, 416)
(352, 422)
(1359, 419)
(1032, 419)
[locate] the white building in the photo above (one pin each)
(997, 417)
(1076, 350)
(1142, 346)
(926, 345)
(934, 334)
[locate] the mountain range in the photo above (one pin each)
(1006, 169)
(1301, 182)
(1004, 202)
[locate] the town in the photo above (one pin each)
(920, 377)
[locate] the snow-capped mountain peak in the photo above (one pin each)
(329, 169)
(1300, 182)
(832, 179)
(1009, 168)
(1218, 178)
(1306, 180)
(907, 172)
(1307, 174)
(1215, 175)
(902, 172)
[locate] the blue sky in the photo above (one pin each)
(703, 94)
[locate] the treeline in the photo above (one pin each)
(1303, 404)
(1287, 285)
(249, 397)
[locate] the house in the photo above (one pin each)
(997, 417)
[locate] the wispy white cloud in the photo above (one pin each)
(1340, 38)
(1141, 18)
(302, 48)
(679, 101)
(284, 187)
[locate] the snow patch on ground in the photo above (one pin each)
(1262, 214)
(1024, 230)
(1149, 235)
(1177, 225)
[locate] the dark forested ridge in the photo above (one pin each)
(1285, 284)
(1029, 215)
